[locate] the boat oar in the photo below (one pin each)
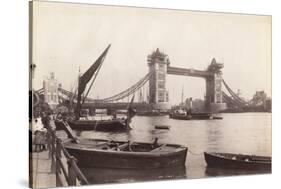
(69, 132)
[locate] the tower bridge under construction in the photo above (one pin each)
(157, 94)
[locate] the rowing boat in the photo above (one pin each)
(125, 154)
(239, 161)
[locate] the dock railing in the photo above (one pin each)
(63, 164)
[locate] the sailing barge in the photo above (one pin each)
(237, 161)
(110, 125)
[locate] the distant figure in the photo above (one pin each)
(190, 105)
(59, 116)
(117, 147)
(48, 137)
(129, 146)
(40, 140)
(114, 115)
(155, 143)
(45, 119)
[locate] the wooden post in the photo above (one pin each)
(58, 168)
(51, 142)
(52, 153)
(71, 172)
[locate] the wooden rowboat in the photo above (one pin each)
(120, 154)
(239, 161)
(123, 154)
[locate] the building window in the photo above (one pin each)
(218, 84)
(218, 96)
(161, 96)
(161, 76)
(161, 85)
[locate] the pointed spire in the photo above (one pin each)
(213, 61)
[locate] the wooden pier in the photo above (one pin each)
(54, 167)
(42, 174)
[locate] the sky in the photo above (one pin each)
(67, 37)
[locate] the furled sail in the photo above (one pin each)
(86, 77)
(130, 111)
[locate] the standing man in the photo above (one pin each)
(190, 105)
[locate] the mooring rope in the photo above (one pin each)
(193, 153)
(96, 124)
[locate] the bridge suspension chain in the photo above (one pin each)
(235, 96)
(116, 97)
(128, 91)
(230, 101)
(234, 99)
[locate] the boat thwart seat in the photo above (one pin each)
(160, 148)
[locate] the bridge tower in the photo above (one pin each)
(50, 87)
(158, 94)
(213, 99)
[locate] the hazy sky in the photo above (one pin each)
(69, 36)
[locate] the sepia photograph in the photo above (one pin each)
(123, 94)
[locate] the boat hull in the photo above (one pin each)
(151, 113)
(194, 116)
(94, 157)
(180, 117)
(97, 125)
(225, 160)
(167, 127)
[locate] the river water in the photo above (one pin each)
(245, 133)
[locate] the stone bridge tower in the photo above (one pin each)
(51, 94)
(159, 67)
(213, 98)
(158, 94)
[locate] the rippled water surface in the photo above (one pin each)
(245, 133)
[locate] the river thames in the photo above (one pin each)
(244, 133)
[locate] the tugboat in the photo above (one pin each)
(185, 113)
(179, 114)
